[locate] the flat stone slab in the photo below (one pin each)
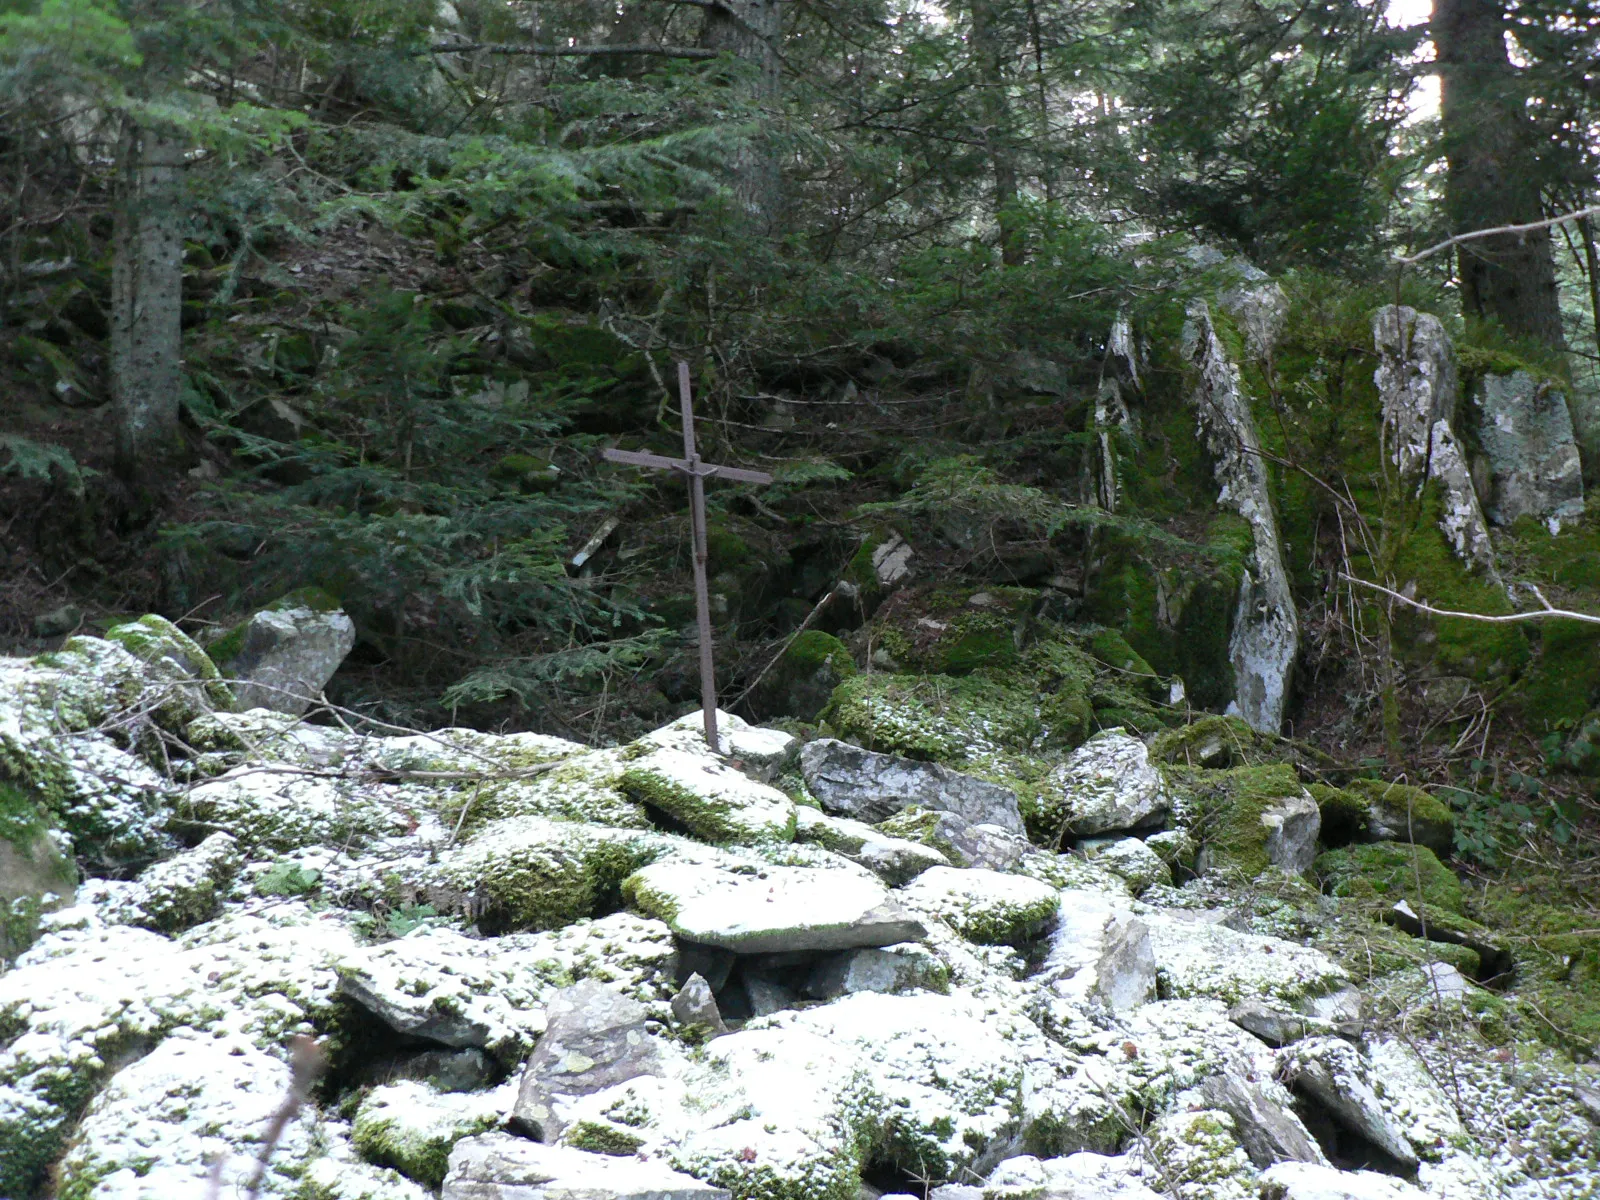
(497, 1166)
(771, 909)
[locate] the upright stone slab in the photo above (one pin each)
(1266, 632)
(286, 656)
(1526, 433)
(1418, 387)
(595, 1038)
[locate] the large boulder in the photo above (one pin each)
(282, 657)
(894, 860)
(708, 797)
(984, 906)
(871, 787)
(1334, 1074)
(1106, 785)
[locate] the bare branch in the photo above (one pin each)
(572, 51)
(1542, 614)
(1498, 229)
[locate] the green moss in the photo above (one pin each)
(395, 1134)
(801, 683)
(953, 631)
(1214, 741)
(600, 1138)
(315, 598)
(1563, 681)
(527, 472)
(1388, 872)
(1227, 807)
(709, 815)
(1344, 814)
(1556, 955)
(1402, 806)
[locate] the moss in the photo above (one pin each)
(1111, 648)
(600, 1138)
(953, 631)
(315, 598)
(1563, 681)
(1344, 814)
(709, 814)
(802, 681)
(1402, 806)
(1227, 807)
(395, 1127)
(1213, 741)
(1389, 872)
(1556, 956)
(527, 472)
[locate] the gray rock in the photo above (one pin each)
(1080, 1176)
(1293, 825)
(1418, 388)
(1333, 1073)
(983, 845)
(1265, 639)
(772, 910)
(1526, 434)
(695, 1010)
(595, 1038)
(1266, 1128)
(767, 995)
(466, 1070)
(869, 970)
(713, 963)
(893, 860)
(495, 1166)
(183, 891)
(1444, 984)
(287, 657)
(956, 1191)
(1274, 1026)
(871, 787)
(1100, 953)
(1133, 862)
(1109, 784)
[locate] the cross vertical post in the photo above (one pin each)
(697, 472)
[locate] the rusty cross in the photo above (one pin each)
(697, 472)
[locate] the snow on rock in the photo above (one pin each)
(760, 753)
(761, 911)
(1334, 1073)
(1197, 1155)
(1081, 1176)
(412, 1127)
(498, 1167)
(711, 799)
(1099, 954)
(872, 787)
(894, 860)
(1134, 862)
(1311, 1181)
(172, 895)
(1106, 785)
(1198, 958)
(984, 906)
(156, 1129)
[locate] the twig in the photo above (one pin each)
(804, 625)
(1541, 614)
(1498, 229)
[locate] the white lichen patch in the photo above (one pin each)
(1106, 784)
(984, 906)
(285, 808)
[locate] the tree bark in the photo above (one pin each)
(996, 108)
(749, 30)
(1493, 173)
(147, 300)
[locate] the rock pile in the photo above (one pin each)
(540, 970)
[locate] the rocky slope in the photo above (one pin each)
(798, 972)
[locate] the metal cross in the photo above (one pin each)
(697, 473)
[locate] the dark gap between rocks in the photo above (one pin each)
(666, 822)
(1346, 1148)
(366, 1052)
(886, 1176)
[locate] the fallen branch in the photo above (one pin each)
(1496, 231)
(573, 51)
(1547, 613)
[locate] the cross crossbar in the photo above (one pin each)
(697, 472)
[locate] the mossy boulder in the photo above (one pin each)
(709, 798)
(411, 1127)
(1386, 872)
(1174, 604)
(1214, 741)
(802, 681)
(1239, 816)
(1112, 649)
(1556, 957)
(952, 631)
(37, 874)
(985, 906)
(528, 473)
(1397, 812)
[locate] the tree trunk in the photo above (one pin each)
(1493, 173)
(995, 104)
(146, 301)
(749, 30)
